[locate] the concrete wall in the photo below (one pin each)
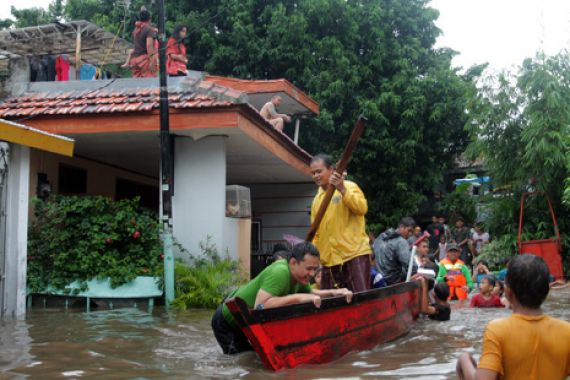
(282, 209)
(17, 82)
(16, 246)
(237, 240)
(199, 192)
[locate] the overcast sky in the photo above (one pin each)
(501, 32)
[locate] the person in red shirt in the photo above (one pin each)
(176, 52)
(143, 61)
(486, 297)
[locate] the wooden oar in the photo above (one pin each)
(340, 168)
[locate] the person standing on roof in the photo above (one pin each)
(392, 251)
(269, 113)
(144, 58)
(176, 53)
(341, 237)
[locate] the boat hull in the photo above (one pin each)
(288, 336)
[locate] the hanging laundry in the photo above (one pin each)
(50, 68)
(62, 67)
(87, 72)
(35, 68)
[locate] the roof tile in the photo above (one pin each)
(194, 94)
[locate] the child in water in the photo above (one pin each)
(486, 297)
(528, 344)
(481, 271)
(440, 310)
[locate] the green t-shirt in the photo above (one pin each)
(275, 280)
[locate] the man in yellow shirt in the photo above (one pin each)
(341, 237)
(528, 344)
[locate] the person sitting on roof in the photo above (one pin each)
(269, 113)
(176, 53)
(455, 273)
(282, 283)
(144, 58)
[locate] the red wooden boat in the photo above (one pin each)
(288, 336)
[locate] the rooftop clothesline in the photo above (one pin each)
(60, 38)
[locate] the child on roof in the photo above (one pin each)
(486, 297)
(529, 344)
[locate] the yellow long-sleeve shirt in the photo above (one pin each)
(342, 234)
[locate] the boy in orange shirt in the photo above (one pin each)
(528, 344)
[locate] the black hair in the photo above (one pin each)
(528, 279)
(492, 280)
(407, 221)
(325, 158)
(484, 262)
(441, 291)
(278, 255)
(144, 15)
(176, 32)
(279, 247)
(302, 249)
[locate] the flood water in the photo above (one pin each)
(133, 344)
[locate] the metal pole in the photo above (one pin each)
(296, 135)
(165, 163)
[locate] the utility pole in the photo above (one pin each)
(166, 163)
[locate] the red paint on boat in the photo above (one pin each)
(288, 336)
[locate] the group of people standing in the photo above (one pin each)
(143, 60)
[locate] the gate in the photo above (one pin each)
(4, 160)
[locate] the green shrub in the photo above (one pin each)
(91, 237)
(498, 251)
(459, 203)
(206, 280)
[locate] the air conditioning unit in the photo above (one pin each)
(238, 202)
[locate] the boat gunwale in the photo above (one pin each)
(250, 317)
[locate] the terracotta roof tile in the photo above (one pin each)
(104, 100)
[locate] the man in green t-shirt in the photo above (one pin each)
(282, 283)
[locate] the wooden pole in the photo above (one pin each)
(78, 53)
(340, 168)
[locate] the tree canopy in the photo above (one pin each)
(354, 57)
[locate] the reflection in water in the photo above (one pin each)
(130, 343)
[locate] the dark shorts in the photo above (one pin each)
(231, 339)
(354, 275)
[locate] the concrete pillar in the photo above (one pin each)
(16, 248)
(199, 192)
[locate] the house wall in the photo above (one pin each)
(199, 193)
(13, 298)
(282, 209)
(101, 178)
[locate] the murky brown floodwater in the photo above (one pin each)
(132, 344)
